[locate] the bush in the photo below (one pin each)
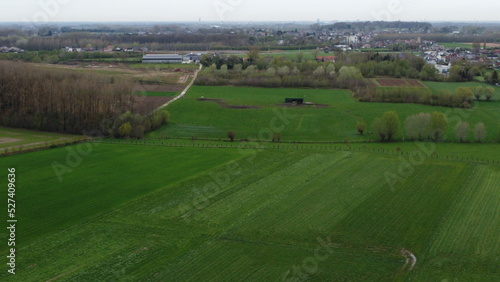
(125, 130)
(276, 137)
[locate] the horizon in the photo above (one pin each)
(237, 11)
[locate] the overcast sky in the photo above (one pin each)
(247, 10)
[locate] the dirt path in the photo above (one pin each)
(183, 92)
(410, 259)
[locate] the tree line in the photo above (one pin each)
(69, 102)
(422, 127)
(462, 97)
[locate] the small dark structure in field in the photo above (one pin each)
(299, 101)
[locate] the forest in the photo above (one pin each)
(72, 102)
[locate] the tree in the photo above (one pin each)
(429, 72)
(378, 128)
(489, 91)
(300, 57)
(124, 130)
(349, 75)
(320, 71)
(330, 70)
(391, 124)
(276, 137)
(478, 92)
(467, 92)
(238, 68)
(439, 123)
(271, 71)
(253, 54)
(282, 71)
(411, 124)
(494, 77)
(250, 69)
(423, 126)
(231, 135)
(462, 130)
(360, 126)
(480, 132)
(223, 69)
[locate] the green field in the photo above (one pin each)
(453, 45)
(11, 139)
(197, 214)
(291, 54)
(334, 121)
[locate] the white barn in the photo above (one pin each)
(162, 59)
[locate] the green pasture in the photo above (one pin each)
(13, 138)
(333, 120)
(453, 45)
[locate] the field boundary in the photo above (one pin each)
(295, 146)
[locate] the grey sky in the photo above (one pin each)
(246, 10)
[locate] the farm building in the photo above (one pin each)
(194, 58)
(161, 59)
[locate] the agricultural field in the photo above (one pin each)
(13, 139)
(453, 45)
(396, 82)
(269, 215)
(290, 54)
(254, 112)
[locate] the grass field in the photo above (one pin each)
(453, 45)
(334, 121)
(13, 138)
(259, 216)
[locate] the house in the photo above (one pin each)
(326, 59)
(162, 59)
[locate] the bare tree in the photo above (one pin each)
(462, 130)
(480, 132)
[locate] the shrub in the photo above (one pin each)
(125, 130)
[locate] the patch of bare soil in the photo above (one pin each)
(146, 104)
(306, 105)
(225, 105)
(161, 87)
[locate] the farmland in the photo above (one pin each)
(334, 120)
(236, 215)
(12, 140)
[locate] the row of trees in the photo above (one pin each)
(71, 102)
(421, 127)
(461, 98)
(320, 76)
